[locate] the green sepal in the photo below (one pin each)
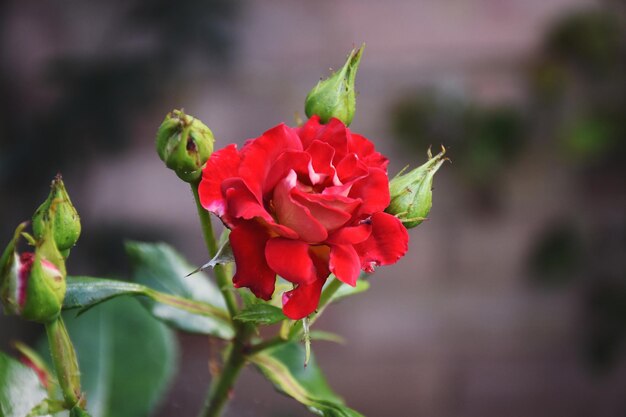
(184, 143)
(58, 212)
(47, 407)
(411, 193)
(9, 269)
(46, 285)
(336, 96)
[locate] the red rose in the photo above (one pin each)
(302, 203)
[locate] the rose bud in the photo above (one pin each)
(62, 216)
(32, 284)
(335, 96)
(184, 143)
(411, 194)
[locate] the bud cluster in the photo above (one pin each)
(32, 282)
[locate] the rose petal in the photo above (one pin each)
(259, 155)
(290, 259)
(333, 133)
(366, 152)
(242, 203)
(294, 215)
(345, 263)
(287, 161)
(320, 167)
(387, 243)
(309, 131)
(350, 235)
(221, 165)
(303, 300)
(248, 241)
(331, 211)
(351, 168)
(373, 190)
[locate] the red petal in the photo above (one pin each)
(294, 215)
(287, 161)
(350, 235)
(334, 133)
(351, 168)
(290, 259)
(365, 150)
(242, 203)
(248, 242)
(308, 132)
(221, 165)
(373, 190)
(258, 155)
(302, 301)
(330, 217)
(321, 162)
(387, 243)
(345, 263)
(278, 229)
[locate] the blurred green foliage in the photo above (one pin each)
(483, 140)
(557, 255)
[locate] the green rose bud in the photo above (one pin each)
(184, 143)
(335, 96)
(411, 194)
(58, 212)
(32, 284)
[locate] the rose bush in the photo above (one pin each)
(303, 203)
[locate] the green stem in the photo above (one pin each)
(218, 393)
(327, 294)
(266, 344)
(65, 361)
(211, 243)
(220, 388)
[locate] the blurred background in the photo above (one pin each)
(512, 300)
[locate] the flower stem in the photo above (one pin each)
(65, 361)
(211, 243)
(267, 344)
(221, 387)
(218, 394)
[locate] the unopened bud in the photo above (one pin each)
(58, 212)
(335, 96)
(411, 193)
(32, 284)
(184, 143)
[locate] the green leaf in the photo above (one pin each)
(326, 336)
(346, 290)
(127, 358)
(159, 266)
(20, 389)
(261, 313)
(87, 292)
(283, 366)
